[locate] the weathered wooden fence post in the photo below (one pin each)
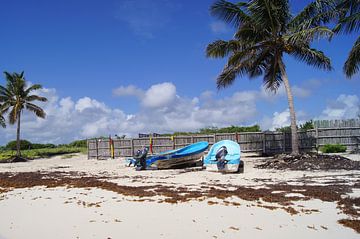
(132, 147)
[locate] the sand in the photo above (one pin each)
(186, 203)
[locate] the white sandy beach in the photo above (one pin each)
(63, 212)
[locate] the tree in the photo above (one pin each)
(265, 31)
(349, 21)
(16, 97)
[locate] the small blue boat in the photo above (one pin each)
(231, 162)
(178, 158)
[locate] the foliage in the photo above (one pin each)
(78, 143)
(2, 121)
(349, 21)
(43, 146)
(284, 129)
(231, 129)
(215, 130)
(265, 32)
(303, 127)
(16, 97)
(41, 153)
(307, 125)
(333, 148)
(24, 144)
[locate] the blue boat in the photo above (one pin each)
(178, 158)
(232, 162)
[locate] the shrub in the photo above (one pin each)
(78, 143)
(333, 148)
(24, 144)
(43, 146)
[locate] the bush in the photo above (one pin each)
(333, 148)
(78, 143)
(24, 144)
(43, 146)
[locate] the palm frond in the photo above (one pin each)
(36, 109)
(2, 121)
(32, 88)
(311, 57)
(272, 78)
(352, 64)
(231, 13)
(13, 115)
(220, 48)
(314, 14)
(309, 35)
(35, 97)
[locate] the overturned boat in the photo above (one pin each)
(190, 155)
(224, 156)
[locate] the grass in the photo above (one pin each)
(41, 153)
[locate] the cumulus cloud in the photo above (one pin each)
(162, 111)
(219, 27)
(130, 90)
(282, 119)
(344, 107)
(159, 95)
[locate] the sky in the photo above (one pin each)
(128, 67)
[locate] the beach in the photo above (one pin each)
(78, 198)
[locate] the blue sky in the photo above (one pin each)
(124, 67)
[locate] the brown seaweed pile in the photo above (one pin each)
(309, 161)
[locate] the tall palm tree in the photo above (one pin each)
(265, 32)
(16, 97)
(349, 21)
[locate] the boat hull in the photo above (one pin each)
(188, 156)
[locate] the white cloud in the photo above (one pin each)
(163, 111)
(219, 27)
(159, 95)
(281, 119)
(344, 107)
(130, 90)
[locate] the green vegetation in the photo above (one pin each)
(33, 150)
(266, 31)
(333, 148)
(41, 153)
(15, 97)
(216, 130)
(348, 22)
(303, 127)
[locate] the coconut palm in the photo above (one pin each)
(265, 32)
(16, 97)
(349, 21)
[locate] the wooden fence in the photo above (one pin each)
(268, 142)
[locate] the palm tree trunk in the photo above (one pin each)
(18, 154)
(294, 136)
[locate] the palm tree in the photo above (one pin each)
(16, 97)
(265, 32)
(349, 21)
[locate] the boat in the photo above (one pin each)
(232, 163)
(190, 155)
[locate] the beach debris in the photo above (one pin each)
(309, 161)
